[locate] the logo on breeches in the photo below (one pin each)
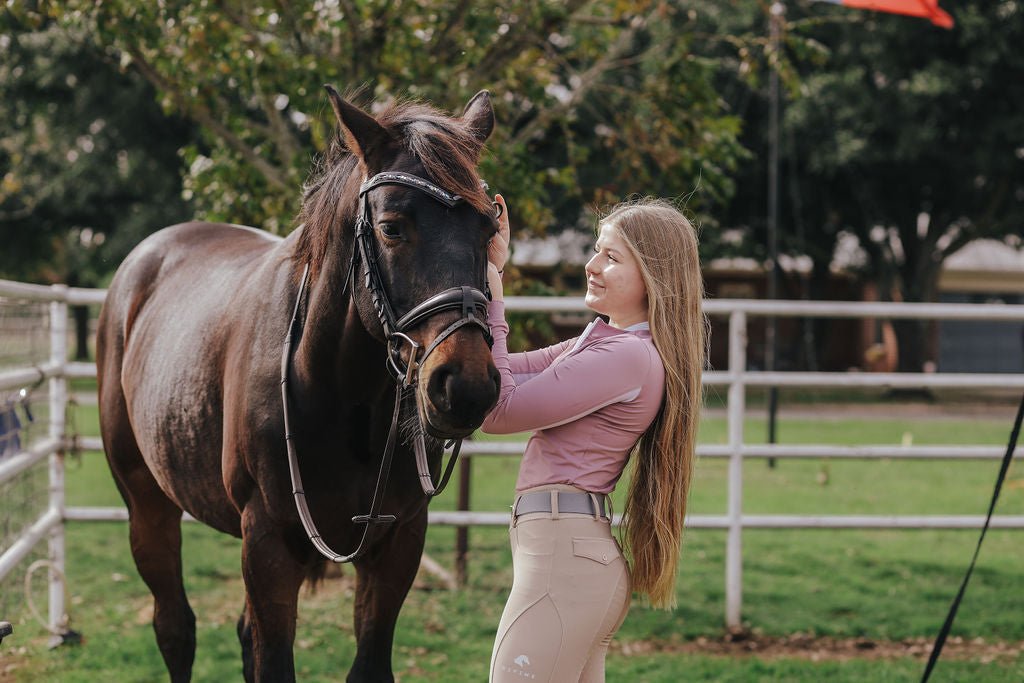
(520, 662)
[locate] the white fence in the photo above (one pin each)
(49, 525)
(736, 378)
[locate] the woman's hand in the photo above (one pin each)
(497, 248)
(494, 283)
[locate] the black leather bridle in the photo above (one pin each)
(469, 301)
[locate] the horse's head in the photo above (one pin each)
(423, 243)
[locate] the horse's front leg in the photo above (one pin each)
(383, 579)
(272, 581)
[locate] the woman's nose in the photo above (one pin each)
(591, 266)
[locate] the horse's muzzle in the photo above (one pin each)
(459, 395)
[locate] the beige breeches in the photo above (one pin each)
(570, 594)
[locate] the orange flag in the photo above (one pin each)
(927, 9)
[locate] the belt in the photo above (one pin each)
(567, 501)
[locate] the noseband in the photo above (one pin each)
(469, 301)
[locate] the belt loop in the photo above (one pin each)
(554, 504)
(595, 506)
(515, 506)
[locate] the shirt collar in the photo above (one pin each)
(598, 329)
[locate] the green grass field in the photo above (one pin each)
(873, 585)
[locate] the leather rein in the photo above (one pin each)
(469, 301)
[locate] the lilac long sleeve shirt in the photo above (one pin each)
(586, 400)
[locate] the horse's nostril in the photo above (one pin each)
(449, 389)
(440, 388)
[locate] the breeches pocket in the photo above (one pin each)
(529, 540)
(604, 551)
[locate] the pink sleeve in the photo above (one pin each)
(531, 362)
(607, 372)
(534, 362)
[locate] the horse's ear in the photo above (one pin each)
(479, 116)
(363, 135)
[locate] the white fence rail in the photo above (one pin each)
(736, 378)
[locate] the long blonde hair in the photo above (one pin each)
(665, 246)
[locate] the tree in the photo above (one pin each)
(595, 100)
(905, 136)
(89, 162)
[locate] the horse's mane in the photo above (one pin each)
(444, 145)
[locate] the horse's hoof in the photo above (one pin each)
(5, 630)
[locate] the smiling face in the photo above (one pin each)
(615, 286)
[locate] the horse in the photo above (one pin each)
(256, 382)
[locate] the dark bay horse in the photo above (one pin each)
(190, 373)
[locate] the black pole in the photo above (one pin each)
(462, 532)
(776, 14)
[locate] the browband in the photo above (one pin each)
(397, 178)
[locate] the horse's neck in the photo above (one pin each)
(335, 347)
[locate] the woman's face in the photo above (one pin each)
(615, 286)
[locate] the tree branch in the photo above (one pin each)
(281, 134)
(611, 60)
(518, 37)
(352, 19)
(455, 19)
(203, 117)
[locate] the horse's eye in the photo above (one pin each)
(392, 231)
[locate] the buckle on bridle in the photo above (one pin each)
(395, 359)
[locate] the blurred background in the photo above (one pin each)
(893, 171)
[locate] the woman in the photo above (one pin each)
(628, 387)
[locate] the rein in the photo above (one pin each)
(940, 639)
(469, 301)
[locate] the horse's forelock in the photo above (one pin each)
(445, 146)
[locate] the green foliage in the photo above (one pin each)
(595, 100)
(907, 119)
(89, 163)
(899, 133)
(896, 135)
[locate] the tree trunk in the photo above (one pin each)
(911, 336)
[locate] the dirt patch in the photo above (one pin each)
(825, 648)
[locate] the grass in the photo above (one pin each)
(882, 585)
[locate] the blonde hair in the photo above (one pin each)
(665, 246)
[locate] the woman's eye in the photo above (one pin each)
(391, 230)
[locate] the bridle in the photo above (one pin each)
(469, 301)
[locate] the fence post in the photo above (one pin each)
(462, 532)
(736, 409)
(58, 403)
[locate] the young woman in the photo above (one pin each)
(626, 388)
